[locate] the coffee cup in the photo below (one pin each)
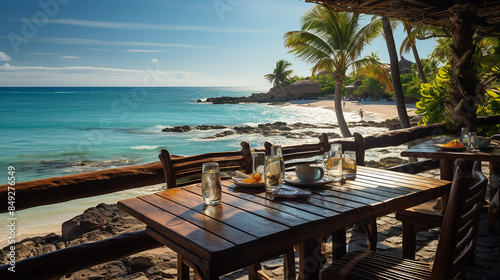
(307, 173)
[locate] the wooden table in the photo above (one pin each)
(446, 158)
(250, 226)
(429, 149)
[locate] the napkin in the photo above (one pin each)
(291, 192)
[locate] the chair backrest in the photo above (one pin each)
(182, 171)
(358, 145)
(458, 234)
(299, 154)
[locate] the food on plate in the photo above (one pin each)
(255, 178)
(454, 144)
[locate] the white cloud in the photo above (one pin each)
(70, 57)
(100, 76)
(4, 57)
(145, 51)
(154, 60)
(67, 69)
(39, 53)
(141, 26)
(82, 41)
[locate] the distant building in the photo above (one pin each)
(349, 90)
(405, 66)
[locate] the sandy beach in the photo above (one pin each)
(379, 110)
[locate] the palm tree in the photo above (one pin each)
(413, 46)
(396, 79)
(332, 41)
(280, 74)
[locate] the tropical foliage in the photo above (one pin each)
(371, 88)
(281, 74)
(435, 95)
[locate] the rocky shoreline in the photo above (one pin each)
(294, 130)
(304, 89)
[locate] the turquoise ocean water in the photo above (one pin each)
(47, 132)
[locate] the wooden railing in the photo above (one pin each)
(58, 189)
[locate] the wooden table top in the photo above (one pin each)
(429, 149)
(249, 222)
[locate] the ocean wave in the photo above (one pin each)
(145, 147)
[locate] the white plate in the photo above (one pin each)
(238, 182)
(294, 180)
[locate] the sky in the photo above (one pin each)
(153, 42)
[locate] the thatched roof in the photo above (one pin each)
(405, 63)
(305, 86)
(423, 12)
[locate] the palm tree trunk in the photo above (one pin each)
(462, 106)
(339, 80)
(396, 80)
(417, 60)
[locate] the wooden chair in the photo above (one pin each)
(428, 215)
(494, 187)
(421, 218)
(494, 207)
(294, 155)
(183, 171)
(454, 250)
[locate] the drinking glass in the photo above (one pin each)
(473, 145)
(464, 136)
(211, 184)
(349, 165)
(258, 162)
(276, 151)
(332, 160)
(272, 176)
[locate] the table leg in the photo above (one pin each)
(289, 264)
(338, 244)
(310, 259)
(182, 268)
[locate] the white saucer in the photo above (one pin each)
(294, 180)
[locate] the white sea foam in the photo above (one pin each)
(145, 147)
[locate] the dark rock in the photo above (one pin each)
(109, 270)
(305, 89)
(244, 129)
(385, 162)
(392, 124)
(135, 276)
(221, 134)
(228, 100)
(141, 261)
(180, 128)
(274, 126)
(92, 219)
(209, 127)
(163, 269)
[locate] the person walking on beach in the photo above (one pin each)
(361, 114)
